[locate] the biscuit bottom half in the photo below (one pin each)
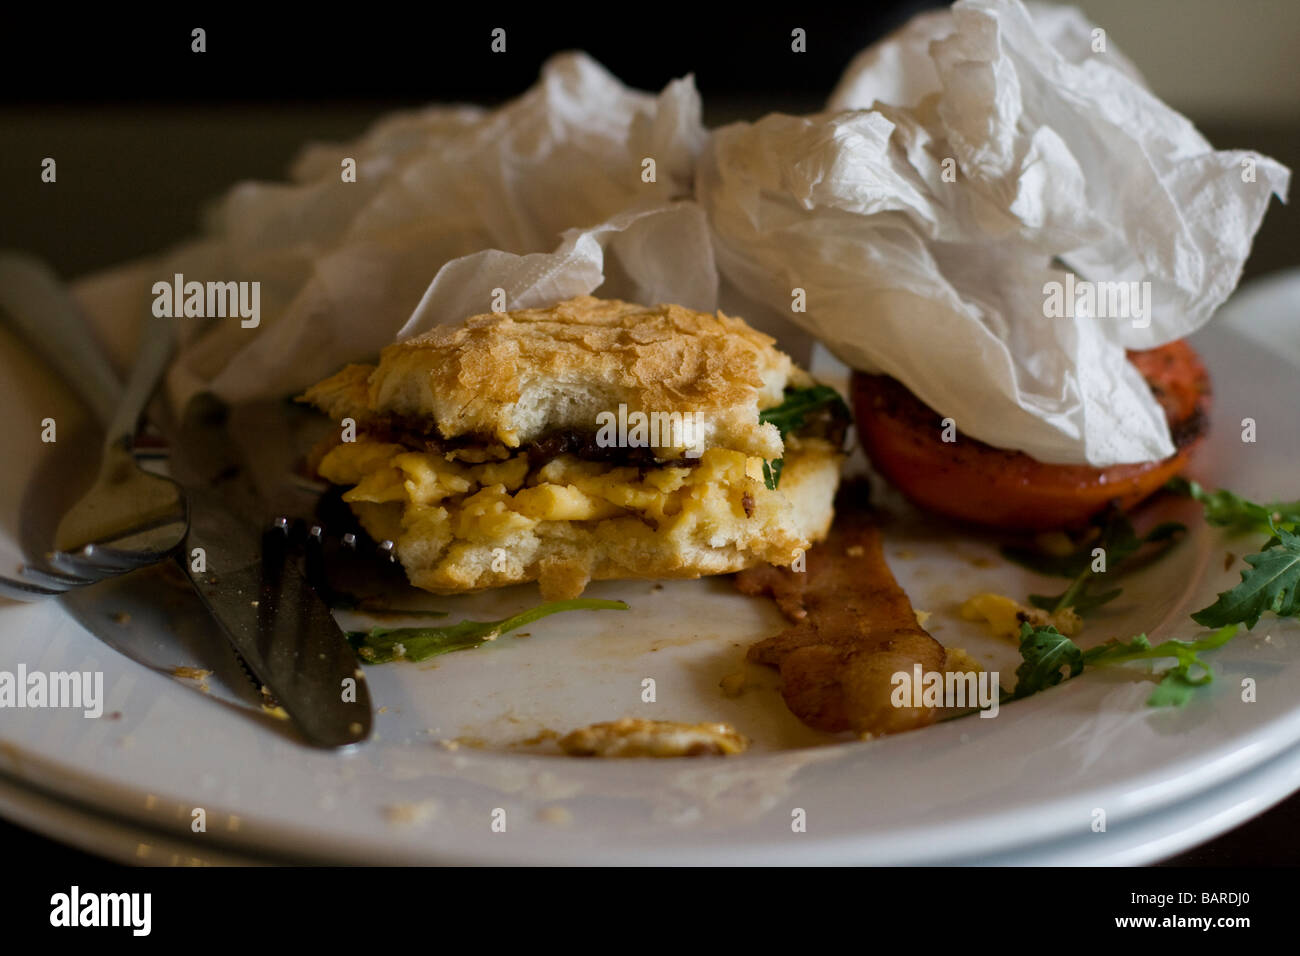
(462, 527)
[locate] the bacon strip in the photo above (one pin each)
(853, 629)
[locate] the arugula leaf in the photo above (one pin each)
(1177, 683)
(1227, 509)
(1273, 580)
(1044, 651)
(1174, 690)
(379, 645)
(1118, 540)
(793, 414)
(1272, 584)
(772, 473)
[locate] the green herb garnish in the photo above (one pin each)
(1226, 509)
(1271, 584)
(1118, 542)
(1273, 581)
(1177, 683)
(1045, 652)
(794, 413)
(379, 645)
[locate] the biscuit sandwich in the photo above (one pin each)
(590, 440)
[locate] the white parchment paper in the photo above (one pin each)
(962, 166)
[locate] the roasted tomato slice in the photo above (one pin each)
(975, 482)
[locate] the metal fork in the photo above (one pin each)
(130, 518)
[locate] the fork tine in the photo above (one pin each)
(98, 560)
(25, 590)
(59, 580)
(79, 566)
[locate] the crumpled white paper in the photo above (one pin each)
(1053, 151)
(345, 266)
(1060, 155)
(657, 253)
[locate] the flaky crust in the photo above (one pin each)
(514, 376)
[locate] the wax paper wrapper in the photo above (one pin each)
(915, 227)
(963, 165)
(552, 185)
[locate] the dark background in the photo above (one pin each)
(145, 131)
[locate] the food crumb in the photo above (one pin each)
(733, 685)
(195, 674)
(1228, 559)
(542, 736)
(921, 616)
(556, 816)
(404, 814)
(121, 617)
(634, 737)
(190, 673)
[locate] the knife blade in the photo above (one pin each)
(256, 591)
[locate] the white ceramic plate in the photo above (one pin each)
(1161, 834)
(449, 756)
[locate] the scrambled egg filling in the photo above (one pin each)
(431, 504)
(483, 502)
(1003, 616)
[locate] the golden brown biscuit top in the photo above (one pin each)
(517, 375)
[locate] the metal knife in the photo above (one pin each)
(256, 591)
